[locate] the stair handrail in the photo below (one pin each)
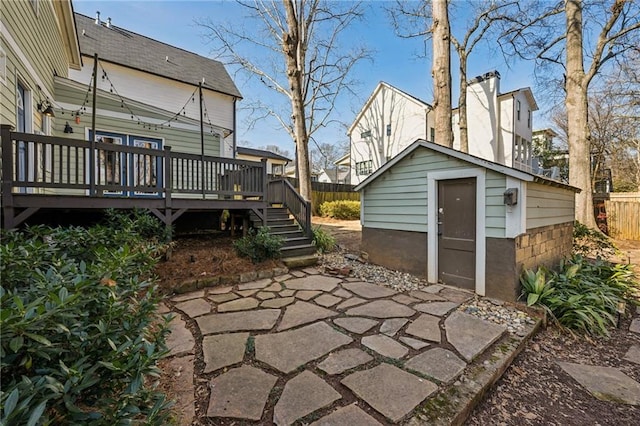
(293, 201)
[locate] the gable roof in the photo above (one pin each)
(378, 88)
(261, 153)
(527, 93)
(481, 162)
(123, 47)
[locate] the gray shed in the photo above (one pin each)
(454, 218)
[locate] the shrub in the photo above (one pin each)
(341, 209)
(323, 240)
(589, 242)
(583, 295)
(259, 246)
(79, 335)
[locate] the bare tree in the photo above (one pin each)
(300, 59)
(324, 155)
(441, 72)
(276, 150)
(555, 34)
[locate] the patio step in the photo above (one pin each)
(300, 261)
(298, 250)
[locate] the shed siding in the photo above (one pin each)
(398, 199)
(548, 205)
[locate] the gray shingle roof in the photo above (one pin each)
(126, 48)
(260, 153)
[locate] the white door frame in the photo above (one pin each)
(432, 221)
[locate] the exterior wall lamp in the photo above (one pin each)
(68, 128)
(46, 109)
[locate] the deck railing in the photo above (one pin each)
(280, 191)
(53, 165)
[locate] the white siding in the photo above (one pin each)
(483, 111)
(548, 205)
(506, 129)
(398, 199)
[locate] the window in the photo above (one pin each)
(528, 118)
(433, 134)
(388, 129)
(276, 169)
(518, 110)
(364, 168)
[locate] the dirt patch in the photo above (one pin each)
(348, 233)
(201, 256)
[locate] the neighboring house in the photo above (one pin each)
(458, 219)
(499, 126)
(333, 176)
(148, 94)
(290, 171)
(37, 42)
(276, 163)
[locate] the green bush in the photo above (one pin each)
(79, 336)
(583, 295)
(323, 240)
(259, 246)
(589, 242)
(341, 209)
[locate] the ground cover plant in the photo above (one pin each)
(80, 339)
(323, 240)
(341, 209)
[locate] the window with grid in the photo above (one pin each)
(364, 167)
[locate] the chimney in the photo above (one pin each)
(98, 17)
(108, 22)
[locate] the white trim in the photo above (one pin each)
(515, 217)
(432, 231)
(3, 66)
(362, 198)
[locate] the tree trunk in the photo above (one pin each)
(577, 116)
(441, 73)
(294, 48)
(462, 103)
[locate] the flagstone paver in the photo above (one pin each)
(404, 299)
(439, 363)
(633, 354)
(162, 309)
(311, 271)
(222, 350)
(220, 290)
(262, 319)
(221, 298)
(471, 335)
(356, 325)
(382, 309)
(425, 327)
(605, 383)
(243, 304)
(455, 295)
(265, 295)
(385, 346)
(635, 326)
(288, 350)
(368, 290)
(313, 282)
(414, 343)
(282, 278)
(350, 415)
(399, 395)
(188, 296)
(307, 294)
(346, 359)
(303, 313)
(353, 301)
(435, 288)
(342, 293)
(298, 274)
(255, 284)
(278, 303)
(426, 296)
(301, 396)
(180, 340)
(436, 308)
(194, 307)
(240, 393)
(327, 300)
(181, 370)
(287, 293)
(275, 287)
(247, 293)
(391, 326)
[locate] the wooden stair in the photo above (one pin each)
(280, 222)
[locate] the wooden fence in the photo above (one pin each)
(623, 215)
(322, 192)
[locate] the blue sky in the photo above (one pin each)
(394, 61)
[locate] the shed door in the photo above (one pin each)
(457, 232)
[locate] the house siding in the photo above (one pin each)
(397, 200)
(548, 205)
(33, 44)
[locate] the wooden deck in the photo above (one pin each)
(45, 172)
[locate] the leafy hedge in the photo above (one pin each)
(259, 246)
(342, 209)
(80, 339)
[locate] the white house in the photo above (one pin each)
(499, 125)
(276, 163)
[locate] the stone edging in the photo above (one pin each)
(244, 277)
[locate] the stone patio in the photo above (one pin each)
(305, 348)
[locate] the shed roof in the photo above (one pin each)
(123, 47)
(481, 162)
(261, 153)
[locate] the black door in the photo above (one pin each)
(457, 232)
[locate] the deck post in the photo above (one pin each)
(168, 184)
(7, 176)
(265, 184)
